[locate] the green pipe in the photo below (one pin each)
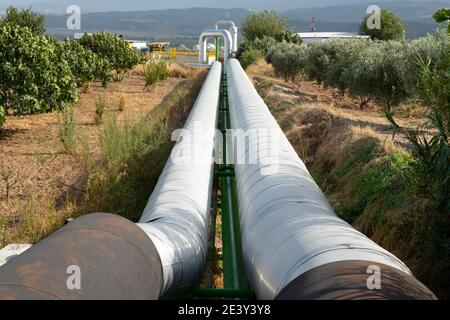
(233, 266)
(217, 48)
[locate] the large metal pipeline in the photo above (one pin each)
(177, 214)
(294, 245)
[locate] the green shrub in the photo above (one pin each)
(387, 181)
(67, 125)
(250, 56)
(154, 72)
(261, 44)
(100, 107)
(431, 149)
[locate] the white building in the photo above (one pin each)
(308, 37)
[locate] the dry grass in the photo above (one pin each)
(178, 70)
(28, 220)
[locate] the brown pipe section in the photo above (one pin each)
(114, 257)
(348, 280)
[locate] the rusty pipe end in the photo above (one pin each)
(97, 256)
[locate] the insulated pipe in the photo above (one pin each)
(294, 245)
(98, 256)
(233, 31)
(212, 33)
(177, 214)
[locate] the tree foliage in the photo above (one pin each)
(250, 56)
(26, 18)
(33, 79)
(384, 71)
(392, 27)
(266, 23)
(119, 54)
(287, 59)
(85, 65)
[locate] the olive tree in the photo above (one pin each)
(33, 79)
(287, 60)
(318, 58)
(384, 70)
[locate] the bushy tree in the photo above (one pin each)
(85, 65)
(262, 45)
(119, 54)
(287, 59)
(342, 53)
(318, 60)
(392, 27)
(264, 23)
(32, 77)
(384, 70)
(26, 18)
(250, 56)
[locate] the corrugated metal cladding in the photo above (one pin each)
(287, 224)
(177, 214)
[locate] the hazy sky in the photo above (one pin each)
(52, 6)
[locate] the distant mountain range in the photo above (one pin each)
(59, 6)
(184, 25)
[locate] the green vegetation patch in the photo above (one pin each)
(383, 182)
